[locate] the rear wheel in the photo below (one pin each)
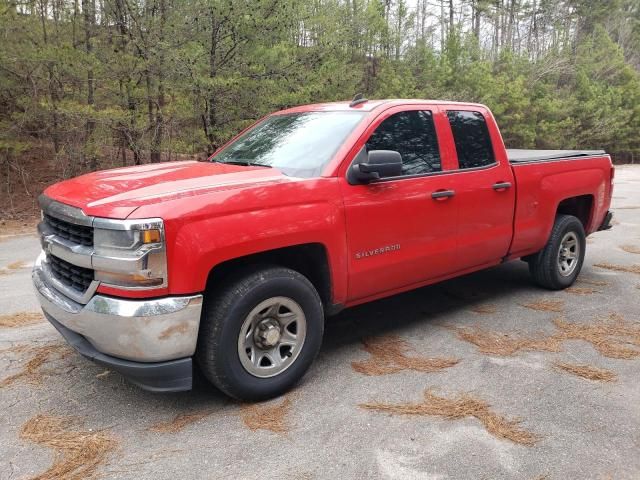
(558, 264)
(261, 333)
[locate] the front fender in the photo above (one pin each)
(253, 221)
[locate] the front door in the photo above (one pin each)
(401, 230)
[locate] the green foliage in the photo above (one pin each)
(184, 76)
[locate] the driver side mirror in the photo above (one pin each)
(377, 164)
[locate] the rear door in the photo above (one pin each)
(484, 185)
(398, 232)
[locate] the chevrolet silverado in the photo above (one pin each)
(231, 265)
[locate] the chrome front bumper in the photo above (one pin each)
(149, 330)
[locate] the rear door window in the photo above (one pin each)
(413, 134)
(471, 136)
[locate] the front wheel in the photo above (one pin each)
(260, 334)
(558, 264)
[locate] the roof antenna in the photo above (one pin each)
(357, 100)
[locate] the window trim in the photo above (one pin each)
(432, 114)
(432, 109)
(453, 138)
(435, 110)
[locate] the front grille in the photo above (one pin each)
(80, 234)
(78, 278)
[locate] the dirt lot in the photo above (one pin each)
(485, 376)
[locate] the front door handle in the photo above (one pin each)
(501, 185)
(442, 194)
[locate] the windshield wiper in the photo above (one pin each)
(245, 163)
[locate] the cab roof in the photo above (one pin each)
(370, 105)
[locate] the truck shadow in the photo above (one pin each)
(101, 395)
(424, 306)
(428, 304)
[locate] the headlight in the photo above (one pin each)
(130, 253)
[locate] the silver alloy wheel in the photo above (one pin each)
(271, 337)
(568, 254)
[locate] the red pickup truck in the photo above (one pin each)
(234, 263)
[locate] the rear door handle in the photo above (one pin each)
(501, 185)
(442, 194)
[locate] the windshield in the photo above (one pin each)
(298, 144)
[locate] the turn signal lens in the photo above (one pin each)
(151, 236)
(128, 280)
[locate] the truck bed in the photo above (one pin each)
(526, 156)
(544, 179)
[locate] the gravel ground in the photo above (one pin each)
(580, 428)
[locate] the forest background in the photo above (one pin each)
(91, 84)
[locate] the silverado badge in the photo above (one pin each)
(377, 251)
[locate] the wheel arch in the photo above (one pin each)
(580, 206)
(308, 259)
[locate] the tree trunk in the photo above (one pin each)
(476, 20)
(156, 144)
(74, 34)
(451, 19)
(496, 33)
(89, 12)
(443, 28)
(210, 117)
(129, 133)
(398, 42)
(150, 111)
(511, 22)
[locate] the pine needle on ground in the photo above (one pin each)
(485, 309)
(267, 416)
(631, 248)
(12, 267)
(20, 319)
(587, 371)
(581, 290)
(78, 453)
(611, 336)
(17, 348)
(619, 268)
(389, 355)
(596, 283)
(17, 265)
(503, 344)
(179, 422)
(31, 373)
(462, 406)
(545, 305)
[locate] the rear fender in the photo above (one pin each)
(541, 192)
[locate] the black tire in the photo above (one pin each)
(544, 266)
(223, 316)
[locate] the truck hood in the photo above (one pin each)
(117, 193)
